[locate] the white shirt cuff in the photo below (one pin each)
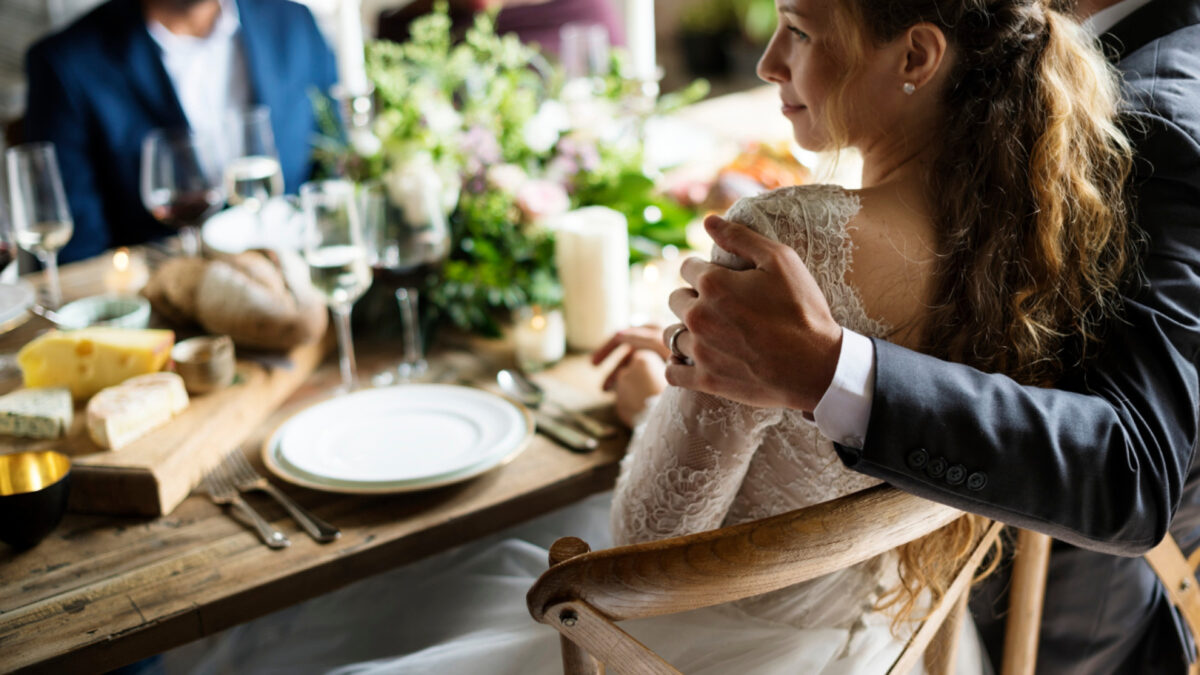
(844, 412)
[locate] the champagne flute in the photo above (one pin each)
(41, 217)
(253, 174)
(181, 184)
(407, 243)
(337, 259)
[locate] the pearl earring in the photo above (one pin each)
(909, 88)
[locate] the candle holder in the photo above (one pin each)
(358, 113)
(539, 337)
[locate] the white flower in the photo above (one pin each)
(542, 130)
(421, 189)
(365, 143)
(506, 177)
(440, 116)
(538, 199)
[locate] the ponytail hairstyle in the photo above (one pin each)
(1031, 222)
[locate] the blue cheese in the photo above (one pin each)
(36, 413)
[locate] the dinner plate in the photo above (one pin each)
(398, 439)
(237, 229)
(14, 300)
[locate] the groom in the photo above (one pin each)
(1102, 462)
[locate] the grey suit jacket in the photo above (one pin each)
(1103, 461)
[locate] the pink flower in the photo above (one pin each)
(538, 199)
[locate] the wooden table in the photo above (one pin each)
(104, 591)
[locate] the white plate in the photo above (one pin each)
(397, 439)
(14, 300)
(236, 229)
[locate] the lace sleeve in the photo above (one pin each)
(685, 466)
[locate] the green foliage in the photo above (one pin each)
(468, 106)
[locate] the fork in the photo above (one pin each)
(246, 478)
(216, 483)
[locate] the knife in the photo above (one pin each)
(573, 439)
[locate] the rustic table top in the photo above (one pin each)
(104, 591)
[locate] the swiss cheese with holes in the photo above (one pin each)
(90, 359)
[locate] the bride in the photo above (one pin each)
(990, 229)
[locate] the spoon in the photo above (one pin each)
(532, 395)
(568, 436)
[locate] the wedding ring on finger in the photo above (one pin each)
(673, 345)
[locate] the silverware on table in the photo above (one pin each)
(245, 478)
(220, 489)
(528, 392)
(572, 438)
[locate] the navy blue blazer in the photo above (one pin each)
(1102, 462)
(97, 87)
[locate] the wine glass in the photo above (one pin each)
(8, 248)
(181, 182)
(337, 259)
(407, 240)
(41, 218)
(253, 174)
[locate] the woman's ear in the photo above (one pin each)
(924, 47)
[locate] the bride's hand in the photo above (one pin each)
(641, 372)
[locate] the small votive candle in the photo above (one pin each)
(127, 274)
(540, 336)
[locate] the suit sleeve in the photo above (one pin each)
(1101, 461)
(54, 115)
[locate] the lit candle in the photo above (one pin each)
(639, 33)
(351, 56)
(592, 255)
(540, 337)
(127, 274)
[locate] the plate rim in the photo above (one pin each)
(275, 466)
(20, 311)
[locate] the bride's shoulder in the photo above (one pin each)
(798, 214)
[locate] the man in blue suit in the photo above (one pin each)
(100, 85)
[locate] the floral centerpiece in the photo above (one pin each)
(511, 144)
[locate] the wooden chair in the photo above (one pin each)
(584, 593)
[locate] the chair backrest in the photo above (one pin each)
(584, 593)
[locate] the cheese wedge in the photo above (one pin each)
(90, 359)
(119, 415)
(36, 413)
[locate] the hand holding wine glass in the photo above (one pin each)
(408, 238)
(181, 182)
(40, 214)
(336, 257)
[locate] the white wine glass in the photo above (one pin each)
(41, 217)
(181, 182)
(406, 244)
(337, 258)
(253, 174)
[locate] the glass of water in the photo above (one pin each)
(337, 258)
(41, 218)
(253, 174)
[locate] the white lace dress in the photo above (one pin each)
(698, 463)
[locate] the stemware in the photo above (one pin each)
(181, 182)
(407, 240)
(253, 174)
(337, 258)
(41, 217)
(8, 247)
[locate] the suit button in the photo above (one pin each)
(917, 459)
(977, 480)
(956, 474)
(937, 467)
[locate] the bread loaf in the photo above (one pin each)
(261, 299)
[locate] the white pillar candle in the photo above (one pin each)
(592, 255)
(352, 68)
(640, 36)
(540, 338)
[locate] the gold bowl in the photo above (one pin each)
(33, 495)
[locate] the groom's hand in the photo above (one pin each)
(763, 336)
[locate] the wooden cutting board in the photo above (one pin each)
(150, 476)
